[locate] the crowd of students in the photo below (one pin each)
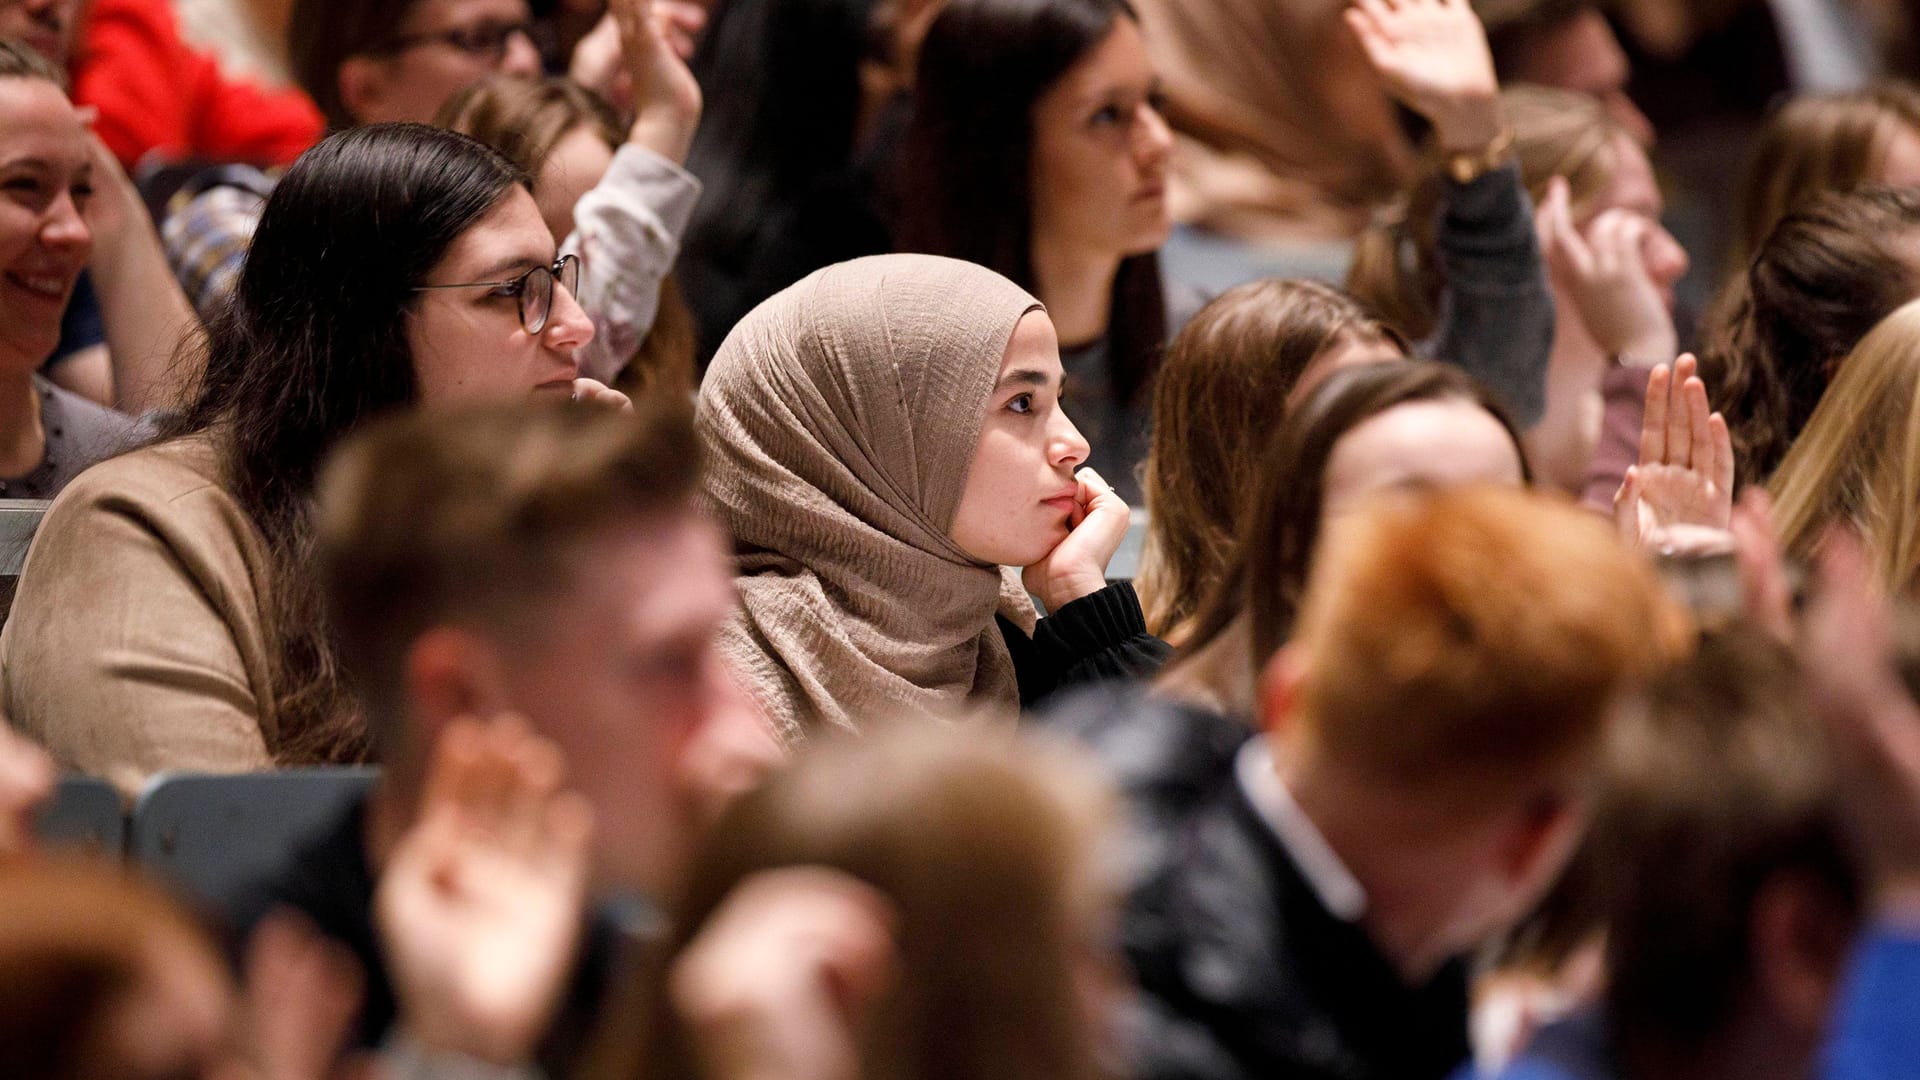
(686, 447)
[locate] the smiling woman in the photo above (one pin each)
(47, 435)
(884, 439)
(203, 645)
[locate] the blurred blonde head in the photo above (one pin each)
(1858, 460)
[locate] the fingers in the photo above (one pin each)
(1653, 423)
(1679, 423)
(1626, 507)
(1722, 460)
(1574, 253)
(1700, 446)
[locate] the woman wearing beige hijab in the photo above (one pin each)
(883, 438)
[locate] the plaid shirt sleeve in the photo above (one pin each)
(207, 240)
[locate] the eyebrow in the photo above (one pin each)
(1025, 377)
(509, 265)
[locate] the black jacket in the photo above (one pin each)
(1245, 975)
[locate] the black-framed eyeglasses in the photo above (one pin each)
(488, 39)
(534, 289)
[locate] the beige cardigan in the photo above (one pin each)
(135, 641)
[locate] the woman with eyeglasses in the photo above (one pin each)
(395, 266)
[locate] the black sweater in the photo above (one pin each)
(1094, 639)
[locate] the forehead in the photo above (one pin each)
(1118, 58)
(439, 13)
(512, 230)
(1033, 346)
(1424, 443)
(651, 580)
(37, 120)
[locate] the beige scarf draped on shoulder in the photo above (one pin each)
(839, 420)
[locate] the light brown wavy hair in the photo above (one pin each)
(1226, 381)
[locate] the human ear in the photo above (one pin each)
(450, 673)
(363, 87)
(1277, 696)
(1539, 842)
(1798, 934)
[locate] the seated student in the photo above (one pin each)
(1611, 264)
(1824, 143)
(1366, 429)
(883, 439)
(1037, 149)
(1252, 354)
(1854, 464)
(1430, 735)
(611, 196)
(1567, 45)
(397, 265)
(1730, 892)
(1826, 275)
(362, 62)
(49, 434)
(546, 563)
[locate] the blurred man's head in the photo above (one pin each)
(1565, 44)
(1457, 659)
(370, 61)
(548, 562)
(47, 25)
(1729, 891)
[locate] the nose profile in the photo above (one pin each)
(522, 59)
(1067, 447)
(568, 327)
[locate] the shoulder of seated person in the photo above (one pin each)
(172, 475)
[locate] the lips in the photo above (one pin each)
(49, 286)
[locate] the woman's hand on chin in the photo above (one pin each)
(591, 392)
(1077, 566)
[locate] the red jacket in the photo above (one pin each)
(154, 92)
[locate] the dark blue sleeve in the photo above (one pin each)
(80, 327)
(1876, 1033)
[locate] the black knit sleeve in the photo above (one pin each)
(1096, 638)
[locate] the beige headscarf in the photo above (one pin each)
(1285, 134)
(839, 421)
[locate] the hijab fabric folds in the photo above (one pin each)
(839, 421)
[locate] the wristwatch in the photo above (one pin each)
(1469, 165)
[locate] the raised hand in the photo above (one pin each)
(480, 905)
(636, 58)
(1432, 56)
(775, 984)
(1604, 271)
(1077, 566)
(1679, 498)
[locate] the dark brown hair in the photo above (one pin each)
(525, 119)
(1268, 574)
(437, 517)
(1722, 786)
(1228, 374)
(19, 60)
(1828, 273)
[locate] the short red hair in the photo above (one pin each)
(1470, 641)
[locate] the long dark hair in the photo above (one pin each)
(969, 153)
(1268, 573)
(1825, 276)
(312, 344)
(782, 82)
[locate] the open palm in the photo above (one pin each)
(1679, 497)
(1432, 55)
